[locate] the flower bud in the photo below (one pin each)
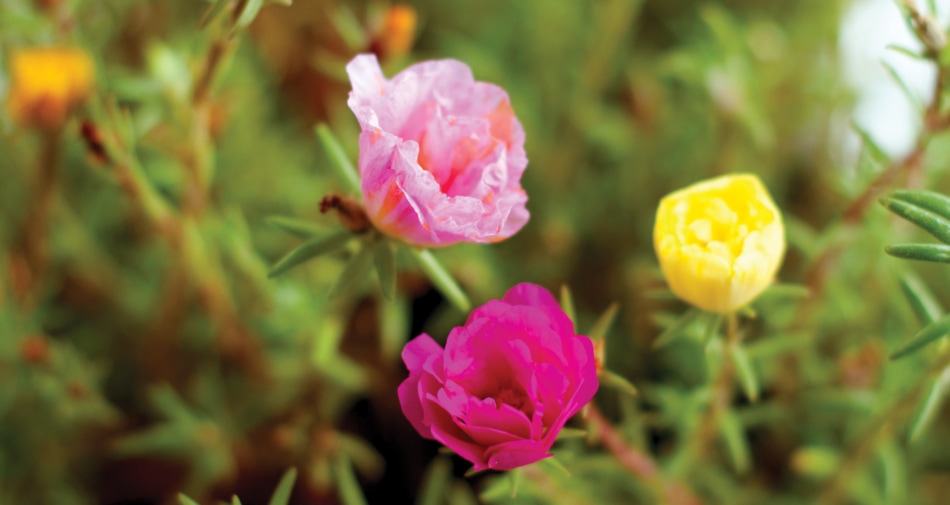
(719, 242)
(47, 83)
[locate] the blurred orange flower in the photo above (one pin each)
(398, 31)
(47, 83)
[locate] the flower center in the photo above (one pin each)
(513, 395)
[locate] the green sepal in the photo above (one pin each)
(184, 500)
(747, 377)
(498, 489)
(310, 250)
(338, 158)
(553, 464)
(471, 472)
(346, 484)
(733, 434)
(567, 304)
(514, 478)
(713, 323)
(435, 482)
(349, 28)
(299, 227)
(364, 457)
(354, 270)
(606, 319)
(441, 278)
(930, 222)
(251, 9)
(782, 290)
(928, 334)
(616, 381)
(385, 258)
(938, 253)
(676, 330)
(235, 500)
(284, 488)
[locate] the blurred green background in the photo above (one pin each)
(144, 352)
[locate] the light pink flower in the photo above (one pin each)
(441, 155)
(506, 382)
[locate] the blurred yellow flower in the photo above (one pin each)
(47, 83)
(720, 242)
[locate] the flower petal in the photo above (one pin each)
(511, 455)
(419, 350)
(410, 399)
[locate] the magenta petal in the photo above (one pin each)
(552, 386)
(502, 417)
(531, 295)
(446, 430)
(511, 455)
(586, 385)
(418, 350)
(410, 399)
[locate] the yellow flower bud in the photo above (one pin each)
(720, 242)
(47, 84)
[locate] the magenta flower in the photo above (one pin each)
(441, 155)
(506, 382)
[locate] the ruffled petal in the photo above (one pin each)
(463, 184)
(511, 455)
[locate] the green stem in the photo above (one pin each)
(442, 279)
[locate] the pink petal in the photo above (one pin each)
(531, 295)
(584, 374)
(503, 418)
(441, 155)
(366, 77)
(447, 431)
(410, 399)
(511, 455)
(552, 385)
(419, 350)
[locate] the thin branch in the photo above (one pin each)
(637, 463)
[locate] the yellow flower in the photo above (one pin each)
(720, 242)
(47, 84)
